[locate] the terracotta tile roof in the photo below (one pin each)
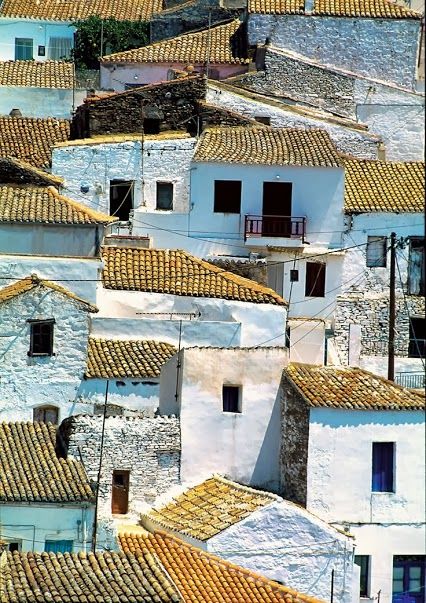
(350, 388)
(118, 138)
(267, 146)
(32, 282)
(31, 139)
(209, 508)
(178, 273)
(204, 578)
(384, 186)
(30, 470)
(46, 74)
(54, 10)
(225, 46)
(44, 205)
(17, 171)
(85, 578)
(112, 358)
(382, 9)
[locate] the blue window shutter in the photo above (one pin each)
(382, 470)
(58, 546)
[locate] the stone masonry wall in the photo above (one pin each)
(176, 21)
(254, 270)
(354, 141)
(294, 444)
(147, 447)
(364, 46)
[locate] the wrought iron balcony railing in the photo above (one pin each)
(287, 227)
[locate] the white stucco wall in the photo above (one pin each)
(50, 239)
(163, 160)
(357, 142)
(252, 324)
(40, 102)
(364, 46)
(29, 381)
(307, 341)
(39, 30)
(33, 524)
(284, 542)
(78, 275)
(131, 394)
(243, 446)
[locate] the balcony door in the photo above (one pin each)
(276, 209)
(408, 579)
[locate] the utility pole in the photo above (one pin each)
(102, 39)
(391, 342)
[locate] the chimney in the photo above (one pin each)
(309, 6)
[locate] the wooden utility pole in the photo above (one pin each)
(392, 311)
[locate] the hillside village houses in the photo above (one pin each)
(195, 300)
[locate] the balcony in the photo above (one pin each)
(286, 231)
(411, 380)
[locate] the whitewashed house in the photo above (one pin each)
(44, 331)
(381, 198)
(42, 31)
(353, 453)
(228, 401)
(46, 502)
(261, 532)
(219, 51)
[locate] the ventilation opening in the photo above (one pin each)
(121, 199)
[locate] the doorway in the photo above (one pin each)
(276, 209)
(120, 492)
(408, 585)
(121, 199)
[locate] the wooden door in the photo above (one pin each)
(120, 492)
(276, 209)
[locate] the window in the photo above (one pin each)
(151, 126)
(41, 337)
(120, 492)
(417, 343)
(408, 583)
(364, 562)
(376, 252)
(164, 195)
(46, 414)
(315, 279)
(275, 274)
(294, 276)
(121, 199)
(14, 545)
(227, 196)
(383, 467)
(231, 398)
(23, 49)
(59, 48)
(58, 546)
(263, 119)
(416, 266)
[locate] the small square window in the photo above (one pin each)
(41, 337)
(164, 196)
(383, 467)
(231, 398)
(46, 414)
(294, 276)
(315, 279)
(41, 51)
(364, 563)
(376, 252)
(227, 196)
(23, 49)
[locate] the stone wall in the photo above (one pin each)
(254, 270)
(181, 19)
(147, 447)
(294, 444)
(347, 136)
(361, 45)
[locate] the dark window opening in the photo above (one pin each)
(383, 467)
(41, 51)
(227, 196)
(41, 337)
(364, 562)
(120, 492)
(13, 546)
(23, 49)
(376, 252)
(46, 414)
(417, 342)
(287, 337)
(263, 119)
(164, 195)
(231, 398)
(315, 279)
(294, 276)
(121, 199)
(416, 266)
(151, 126)
(276, 209)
